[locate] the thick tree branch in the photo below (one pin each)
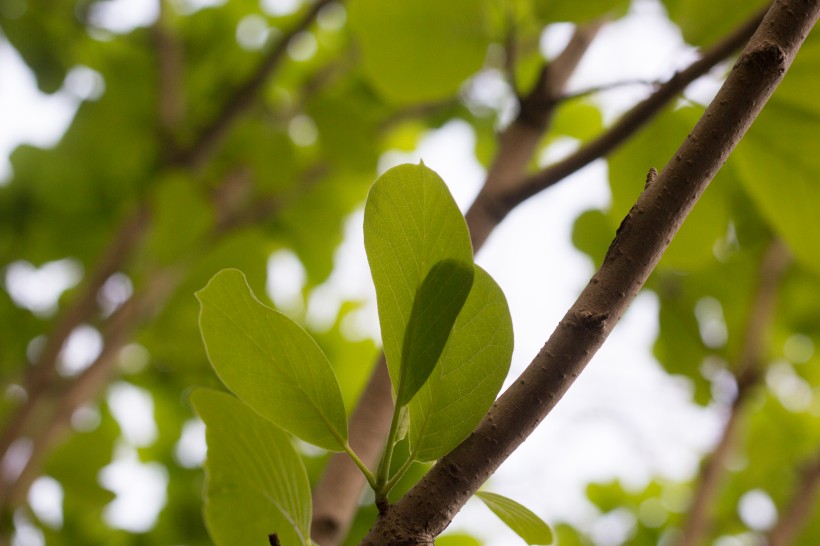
(638, 245)
(336, 495)
(748, 373)
(799, 509)
(494, 203)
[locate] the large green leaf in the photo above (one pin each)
(271, 363)
(438, 302)
(469, 375)
(421, 50)
(518, 518)
(779, 167)
(411, 222)
(256, 483)
(553, 11)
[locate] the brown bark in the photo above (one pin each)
(644, 234)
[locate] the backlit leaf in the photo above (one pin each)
(256, 484)
(518, 518)
(271, 363)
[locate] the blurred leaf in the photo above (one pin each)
(518, 518)
(423, 50)
(558, 11)
(702, 25)
(270, 362)
(256, 484)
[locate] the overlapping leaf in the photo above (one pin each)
(469, 375)
(256, 483)
(411, 223)
(438, 302)
(271, 363)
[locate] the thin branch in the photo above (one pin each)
(748, 373)
(427, 509)
(91, 381)
(243, 98)
(43, 370)
(170, 96)
(799, 509)
(336, 495)
(491, 206)
(594, 90)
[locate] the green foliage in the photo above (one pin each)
(458, 330)
(420, 51)
(519, 518)
(256, 483)
(271, 363)
(381, 75)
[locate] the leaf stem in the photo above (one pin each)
(384, 465)
(371, 478)
(391, 483)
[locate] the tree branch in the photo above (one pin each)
(644, 234)
(799, 509)
(748, 373)
(491, 205)
(333, 511)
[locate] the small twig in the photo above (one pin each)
(608, 87)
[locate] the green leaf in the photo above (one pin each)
(438, 302)
(256, 484)
(778, 166)
(555, 11)
(422, 50)
(518, 518)
(271, 363)
(469, 374)
(411, 222)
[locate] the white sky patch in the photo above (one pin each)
(29, 116)
(114, 292)
(133, 408)
(46, 500)
(278, 8)
(191, 448)
(81, 349)
(286, 280)
(140, 489)
(123, 16)
(757, 510)
(39, 288)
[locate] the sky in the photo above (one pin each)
(624, 417)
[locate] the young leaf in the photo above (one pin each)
(255, 484)
(411, 222)
(271, 363)
(438, 302)
(469, 374)
(518, 518)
